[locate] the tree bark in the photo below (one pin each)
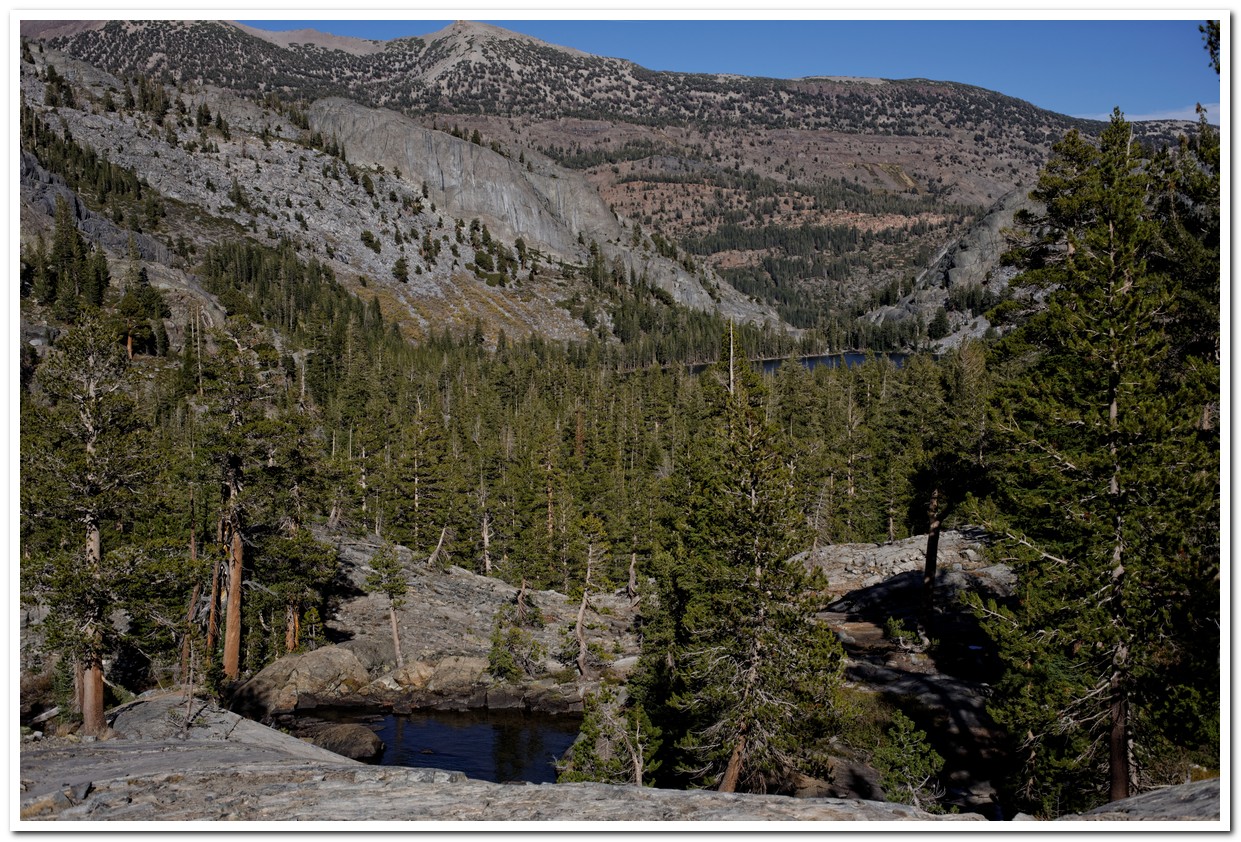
(732, 773)
(232, 619)
(290, 627)
(1118, 739)
(93, 722)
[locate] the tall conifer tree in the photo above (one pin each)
(84, 442)
(752, 675)
(1103, 481)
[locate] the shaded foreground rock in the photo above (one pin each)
(357, 742)
(307, 791)
(1198, 801)
(228, 768)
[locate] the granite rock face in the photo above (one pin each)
(217, 766)
(1198, 801)
(554, 209)
(329, 671)
(851, 567)
(222, 767)
(470, 180)
(972, 261)
(975, 258)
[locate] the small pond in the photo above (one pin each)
(488, 745)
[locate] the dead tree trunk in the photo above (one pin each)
(486, 543)
(189, 625)
(434, 558)
(935, 522)
(198, 589)
(521, 603)
(213, 609)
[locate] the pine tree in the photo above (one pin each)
(1104, 478)
(85, 461)
(617, 743)
(387, 576)
(752, 675)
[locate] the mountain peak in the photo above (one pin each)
(353, 46)
(477, 34)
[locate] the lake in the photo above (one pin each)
(487, 745)
(849, 359)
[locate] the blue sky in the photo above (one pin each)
(1147, 68)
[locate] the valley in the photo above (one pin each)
(442, 373)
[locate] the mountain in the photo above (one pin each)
(798, 204)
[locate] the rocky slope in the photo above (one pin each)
(401, 192)
(446, 628)
(161, 768)
(709, 186)
(969, 268)
(160, 765)
(222, 767)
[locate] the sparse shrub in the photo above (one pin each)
(514, 650)
(895, 631)
(908, 766)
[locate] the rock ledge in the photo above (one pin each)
(226, 768)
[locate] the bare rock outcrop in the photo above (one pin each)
(445, 627)
(469, 180)
(1197, 802)
(357, 742)
(223, 767)
(217, 766)
(849, 567)
(972, 261)
(326, 672)
(555, 210)
(975, 258)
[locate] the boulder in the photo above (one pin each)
(457, 672)
(357, 742)
(414, 675)
(326, 673)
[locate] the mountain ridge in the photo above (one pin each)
(799, 202)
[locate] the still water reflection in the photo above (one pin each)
(486, 745)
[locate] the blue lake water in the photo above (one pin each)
(496, 746)
(848, 358)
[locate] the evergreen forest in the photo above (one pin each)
(195, 479)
